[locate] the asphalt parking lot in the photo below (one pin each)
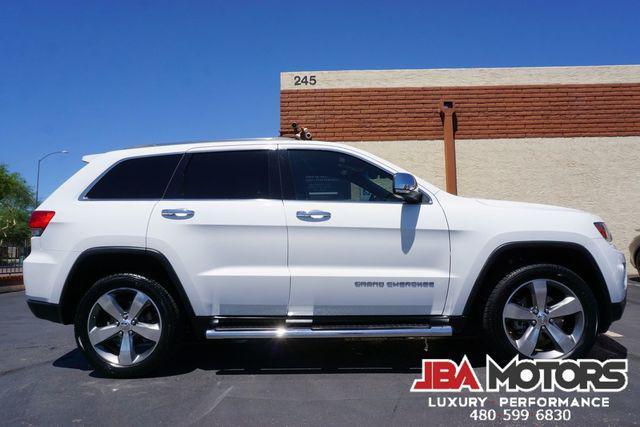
(45, 380)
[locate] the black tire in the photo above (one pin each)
(169, 331)
(492, 319)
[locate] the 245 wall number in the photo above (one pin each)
(304, 80)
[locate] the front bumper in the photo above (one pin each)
(612, 313)
(617, 309)
(45, 310)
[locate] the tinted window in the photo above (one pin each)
(329, 175)
(139, 178)
(226, 175)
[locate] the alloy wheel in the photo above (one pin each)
(543, 319)
(124, 326)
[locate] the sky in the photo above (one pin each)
(93, 76)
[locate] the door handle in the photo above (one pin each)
(177, 213)
(313, 216)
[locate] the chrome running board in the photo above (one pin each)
(434, 331)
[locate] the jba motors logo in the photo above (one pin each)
(581, 375)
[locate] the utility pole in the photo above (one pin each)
(448, 116)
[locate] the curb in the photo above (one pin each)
(11, 283)
(11, 288)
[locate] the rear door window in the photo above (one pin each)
(243, 174)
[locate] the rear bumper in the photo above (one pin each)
(45, 310)
(45, 272)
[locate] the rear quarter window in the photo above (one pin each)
(137, 178)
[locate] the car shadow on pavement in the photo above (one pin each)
(322, 356)
(73, 360)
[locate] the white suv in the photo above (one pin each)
(278, 238)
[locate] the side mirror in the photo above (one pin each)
(405, 186)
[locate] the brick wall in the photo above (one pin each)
(399, 113)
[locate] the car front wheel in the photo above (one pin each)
(126, 325)
(541, 311)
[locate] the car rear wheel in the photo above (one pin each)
(126, 325)
(541, 311)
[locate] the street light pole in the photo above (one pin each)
(38, 174)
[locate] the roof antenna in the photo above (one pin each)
(302, 134)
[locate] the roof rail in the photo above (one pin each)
(161, 144)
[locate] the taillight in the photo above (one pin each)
(39, 221)
(604, 231)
